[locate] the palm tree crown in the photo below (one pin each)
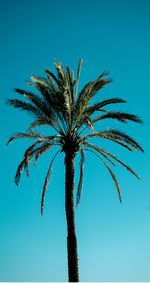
(60, 106)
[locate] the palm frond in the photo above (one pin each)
(42, 149)
(104, 74)
(78, 75)
(86, 95)
(106, 137)
(115, 135)
(28, 154)
(80, 185)
(65, 91)
(120, 116)
(40, 81)
(63, 99)
(98, 106)
(60, 73)
(122, 163)
(30, 135)
(114, 179)
(25, 162)
(89, 110)
(71, 82)
(50, 96)
(99, 150)
(49, 75)
(40, 103)
(57, 104)
(46, 181)
(86, 120)
(111, 173)
(26, 107)
(35, 111)
(124, 137)
(67, 104)
(39, 122)
(18, 173)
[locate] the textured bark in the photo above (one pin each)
(69, 206)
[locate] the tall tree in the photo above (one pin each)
(59, 105)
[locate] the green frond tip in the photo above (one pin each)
(120, 116)
(11, 139)
(40, 81)
(78, 75)
(104, 74)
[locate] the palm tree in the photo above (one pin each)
(70, 114)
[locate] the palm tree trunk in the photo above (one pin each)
(69, 206)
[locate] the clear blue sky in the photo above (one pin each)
(113, 238)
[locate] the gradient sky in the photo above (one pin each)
(113, 238)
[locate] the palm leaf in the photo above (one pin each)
(105, 137)
(26, 107)
(116, 136)
(27, 156)
(99, 105)
(46, 181)
(41, 104)
(36, 111)
(25, 163)
(18, 173)
(80, 185)
(111, 173)
(42, 149)
(122, 163)
(29, 135)
(122, 117)
(39, 122)
(50, 95)
(86, 95)
(49, 75)
(86, 120)
(114, 179)
(60, 74)
(71, 82)
(78, 75)
(40, 81)
(99, 150)
(124, 137)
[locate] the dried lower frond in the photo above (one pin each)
(80, 185)
(111, 173)
(18, 173)
(98, 149)
(29, 135)
(46, 182)
(114, 179)
(42, 149)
